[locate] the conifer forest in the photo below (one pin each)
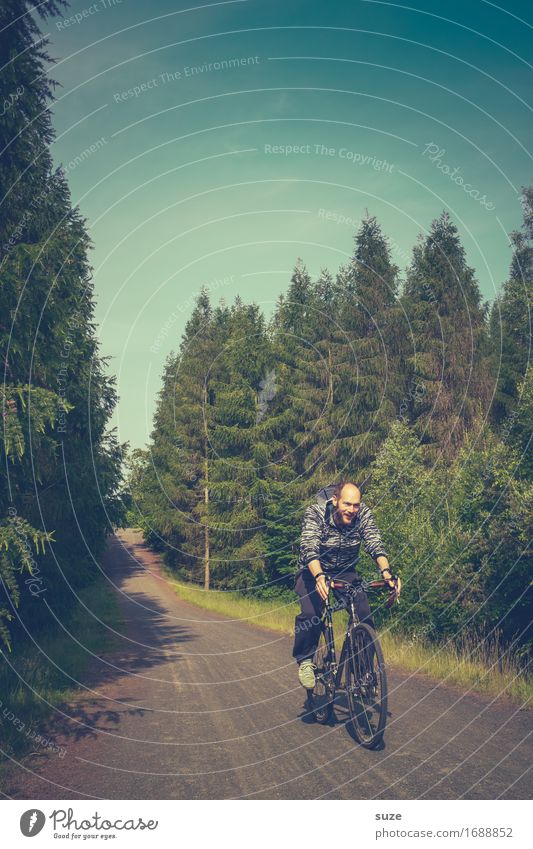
(403, 379)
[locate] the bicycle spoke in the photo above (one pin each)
(366, 686)
(359, 688)
(361, 676)
(324, 690)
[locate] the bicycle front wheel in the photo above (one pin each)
(324, 690)
(366, 685)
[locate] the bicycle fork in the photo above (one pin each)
(331, 676)
(348, 656)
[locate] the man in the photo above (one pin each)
(332, 532)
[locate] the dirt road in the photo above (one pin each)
(195, 706)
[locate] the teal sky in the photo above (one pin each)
(183, 171)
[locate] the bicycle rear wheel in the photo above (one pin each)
(323, 693)
(366, 685)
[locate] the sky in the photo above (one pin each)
(216, 143)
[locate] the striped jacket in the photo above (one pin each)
(337, 548)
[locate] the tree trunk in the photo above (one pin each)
(206, 497)
(206, 539)
(330, 379)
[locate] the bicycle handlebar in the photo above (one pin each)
(337, 583)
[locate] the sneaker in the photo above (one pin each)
(306, 674)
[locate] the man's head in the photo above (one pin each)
(346, 502)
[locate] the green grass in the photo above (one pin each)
(477, 665)
(273, 615)
(31, 685)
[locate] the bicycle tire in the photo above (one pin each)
(366, 685)
(323, 693)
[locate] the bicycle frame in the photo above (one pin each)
(353, 620)
(364, 685)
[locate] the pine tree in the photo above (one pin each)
(510, 319)
(25, 127)
(340, 346)
(193, 401)
(237, 487)
(301, 376)
(520, 426)
(335, 377)
(21, 544)
(450, 372)
(172, 483)
(214, 475)
(64, 477)
(373, 322)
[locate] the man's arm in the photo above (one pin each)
(386, 574)
(316, 569)
(383, 566)
(373, 545)
(311, 533)
(371, 536)
(310, 547)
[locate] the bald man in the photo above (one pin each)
(332, 532)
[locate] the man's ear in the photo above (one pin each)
(335, 500)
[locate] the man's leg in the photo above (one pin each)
(307, 623)
(363, 608)
(361, 599)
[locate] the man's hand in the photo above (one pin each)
(386, 574)
(322, 587)
(395, 584)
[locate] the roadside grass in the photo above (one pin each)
(31, 685)
(473, 664)
(272, 614)
(479, 665)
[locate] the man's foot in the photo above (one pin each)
(306, 674)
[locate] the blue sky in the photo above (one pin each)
(217, 143)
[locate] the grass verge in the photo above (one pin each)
(476, 665)
(31, 684)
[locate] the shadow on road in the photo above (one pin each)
(148, 635)
(340, 716)
(142, 645)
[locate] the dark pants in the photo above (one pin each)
(307, 623)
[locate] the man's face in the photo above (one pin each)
(346, 505)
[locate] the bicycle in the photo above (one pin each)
(361, 661)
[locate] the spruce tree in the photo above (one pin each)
(372, 320)
(301, 375)
(510, 319)
(237, 486)
(25, 127)
(64, 478)
(173, 483)
(335, 377)
(520, 426)
(450, 384)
